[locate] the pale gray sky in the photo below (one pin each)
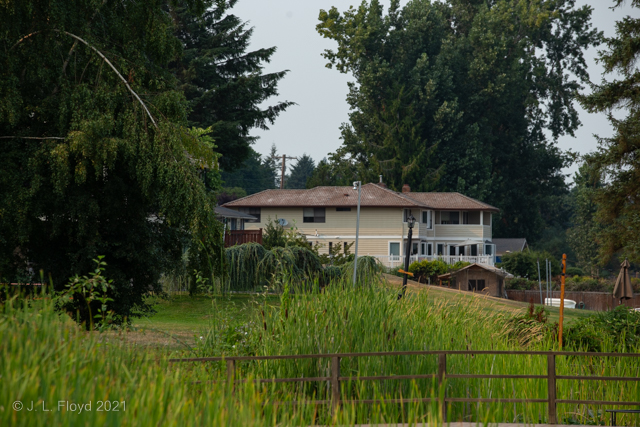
(312, 127)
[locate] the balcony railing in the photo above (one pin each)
(238, 237)
(393, 261)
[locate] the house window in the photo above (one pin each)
(313, 215)
(251, 211)
(440, 249)
(414, 248)
(426, 219)
(486, 218)
(344, 247)
(394, 249)
(461, 250)
(450, 217)
(343, 209)
(330, 247)
(233, 224)
(429, 249)
(474, 250)
(452, 250)
(423, 248)
(488, 250)
(406, 214)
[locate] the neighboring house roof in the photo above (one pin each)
(454, 201)
(487, 267)
(510, 245)
(373, 195)
(230, 213)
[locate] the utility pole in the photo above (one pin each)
(284, 159)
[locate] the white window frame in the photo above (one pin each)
(404, 215)
(444, 249)
(423, 249)
(399, 248)
(429, 222)
(430, 245)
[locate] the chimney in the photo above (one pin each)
(382, 184)
(406, 188)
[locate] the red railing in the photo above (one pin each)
(238, 237)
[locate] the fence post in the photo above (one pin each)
(231, 373)
(442, 372)
(551, 387)
(335, 382)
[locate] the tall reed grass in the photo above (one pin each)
(346, 318)
(51, 366)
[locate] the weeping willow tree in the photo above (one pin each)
(250, 266)
(96, 155)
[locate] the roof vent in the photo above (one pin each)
(382, 184)
(406, 188)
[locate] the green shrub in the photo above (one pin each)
(521, 284)
(620, 326)
(574, 271)
(423, 270)
(525, 264)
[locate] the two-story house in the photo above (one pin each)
(449, 226)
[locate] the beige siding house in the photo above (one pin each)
(449, 226)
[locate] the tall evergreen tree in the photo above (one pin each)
(300, 172)
(256, 174)
(96, 155)
(583, 236)
(224, 84)
(456, 97)
(617, 162)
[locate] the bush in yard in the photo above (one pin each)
(620, 326)
(521, 284)
(574, 271)
(423, 270)
(525, 264)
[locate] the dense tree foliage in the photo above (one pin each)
(97, 158)
(300, 173)
(224, 83)
(583, 236)
(617, 162)
(255, 174)
(458, 96)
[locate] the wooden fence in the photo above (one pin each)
(597, 301)
(238, 237)
(335, 379)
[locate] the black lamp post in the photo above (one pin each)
(411, 221)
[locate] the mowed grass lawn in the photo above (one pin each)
(181, 319)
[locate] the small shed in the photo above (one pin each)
(478, 278)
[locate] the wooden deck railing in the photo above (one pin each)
(238, 237)
(335, 379)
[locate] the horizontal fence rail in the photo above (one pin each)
(335, 379)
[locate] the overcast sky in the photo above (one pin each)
(312, 126)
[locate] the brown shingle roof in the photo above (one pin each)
(372, 196)
(451, 201)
